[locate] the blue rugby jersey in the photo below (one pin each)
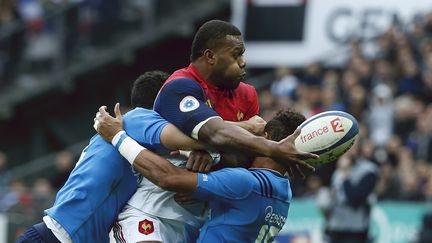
(103, 181)
(246, 205)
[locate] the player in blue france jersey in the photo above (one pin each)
(246, 205)
(102, 181)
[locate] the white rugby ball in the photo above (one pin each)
(328, 134)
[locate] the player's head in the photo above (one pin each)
(283, 124)
(146, 87)
(220, 46)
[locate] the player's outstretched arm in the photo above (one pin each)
(226, 137)
(152, 166)
(254, 125)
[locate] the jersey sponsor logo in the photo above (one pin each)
(146, 227)
(205, 177)
(240, 116)
(337, 125)
(189, 103)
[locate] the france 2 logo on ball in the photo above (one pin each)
(328, 134)
(189, 103)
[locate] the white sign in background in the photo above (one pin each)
(328, 26)
(3, 228)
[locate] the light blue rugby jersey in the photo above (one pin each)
(246, 205)
(103, 181)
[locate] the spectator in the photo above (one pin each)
(64, 163)
(43, 196)
(285, 84)
(425, 234)
(4, 174)
(347, 213)
(381, 115)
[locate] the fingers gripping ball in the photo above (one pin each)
(328, 134)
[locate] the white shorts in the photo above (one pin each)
(133, 225)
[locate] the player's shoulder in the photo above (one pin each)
(244, 87)
(140, 112)
(246, 90)
(272, 185)
(238, 182)
(180, 84)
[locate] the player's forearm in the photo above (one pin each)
(164, 174)
(173, 139)
(226, 137)
(242, 124)
(153, 167)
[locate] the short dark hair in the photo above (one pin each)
(208, 36)
(283, 124)
(146, 87)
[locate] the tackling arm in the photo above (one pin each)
(155, 168)
(171, 137)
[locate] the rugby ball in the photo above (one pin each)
(328, 134)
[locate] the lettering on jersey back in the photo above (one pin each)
(146, 227)
(273, 218)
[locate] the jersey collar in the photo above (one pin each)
(277, 173)
(191, 68)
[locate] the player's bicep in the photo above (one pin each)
(174, 139)
(182, 102)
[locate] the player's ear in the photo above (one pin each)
(266, 135)
(209, 55)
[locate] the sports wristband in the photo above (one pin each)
(127, 147)
(116, 138)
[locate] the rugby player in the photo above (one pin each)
(102, 181)
(246, 205)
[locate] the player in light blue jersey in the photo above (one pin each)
(246, 205)
(103, 181)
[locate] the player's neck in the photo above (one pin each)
(203, 71)
(267, 163)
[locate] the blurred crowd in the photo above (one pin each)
(22, 200)
(388, 88)
(42, 36)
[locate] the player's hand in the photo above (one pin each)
(256, 125)
(290, 157)
(106, 125)
(297, 169)
(199, 161)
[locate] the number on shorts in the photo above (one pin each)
(267, 235)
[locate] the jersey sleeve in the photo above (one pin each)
(182, 103)
(254, 106)
(225, 184)
(145, 127)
